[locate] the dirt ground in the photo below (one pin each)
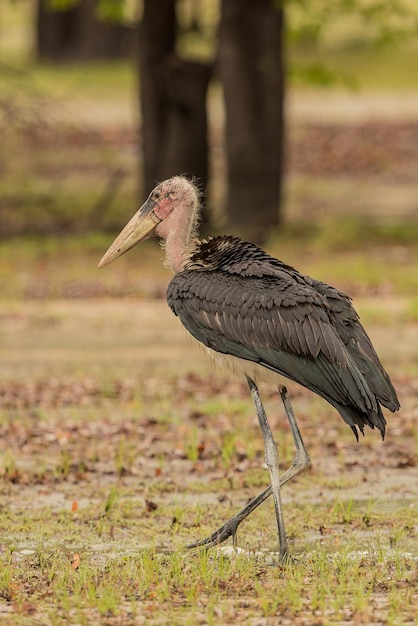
(119, 440)
(102, 397)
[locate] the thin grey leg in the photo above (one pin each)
(272, 460)
(300, 462)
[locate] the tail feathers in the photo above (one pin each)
(377, 378)
(357, 420)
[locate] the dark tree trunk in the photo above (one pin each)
(55, 31)
(173, 101)
(77, 34)
(157, 42)
(251, 71)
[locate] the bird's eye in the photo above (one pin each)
(156, 194)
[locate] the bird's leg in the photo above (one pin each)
(229, 529)
(272, 460)
(300, 462)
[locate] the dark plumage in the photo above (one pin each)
(264, 317)
(236, 299)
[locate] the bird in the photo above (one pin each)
(265, 321)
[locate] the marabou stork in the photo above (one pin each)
(262, 317)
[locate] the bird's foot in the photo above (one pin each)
(229, 529)
(285, 558)
(284, 561)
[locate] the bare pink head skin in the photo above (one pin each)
(171, 212)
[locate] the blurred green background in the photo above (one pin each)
(71, 158)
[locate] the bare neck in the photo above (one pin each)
(178, 232)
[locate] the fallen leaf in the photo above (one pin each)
(150, 506)
(75, 560)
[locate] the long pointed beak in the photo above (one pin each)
(142, 224)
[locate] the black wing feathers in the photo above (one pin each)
(237, 300)
(357, 341)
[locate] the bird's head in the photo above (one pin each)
(169, 205)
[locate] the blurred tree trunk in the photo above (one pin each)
(173, 101)
(77, 34)
(251, 72)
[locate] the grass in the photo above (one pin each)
(361, 68)
(186, 587)
(351, 46)
(381, 260)
(119, 445)
(123, 464)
